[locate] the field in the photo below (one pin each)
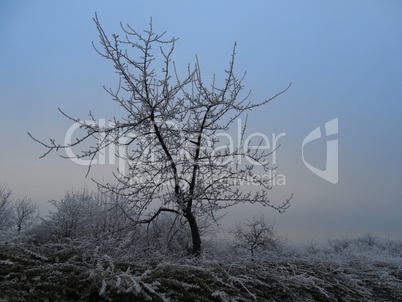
(362, 269)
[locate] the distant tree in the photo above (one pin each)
(69, 214)
(6, 208)
(171, 124)
(254, 234)
(25, 213)
(82, 214)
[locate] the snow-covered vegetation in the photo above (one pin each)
(140, 239)
(87, 249)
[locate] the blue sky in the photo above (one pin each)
(343, 58)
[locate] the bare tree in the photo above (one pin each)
(82, 214)
(254, 234)
(67, 220)
(5, 207)
(25, 213)
(169, 136)
(72, 215)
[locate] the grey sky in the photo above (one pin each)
(343, 58)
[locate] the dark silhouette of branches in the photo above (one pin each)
(176, 162)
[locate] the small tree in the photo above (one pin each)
(5, 207)
(171, 125)
(254, 234)
(71, 213)
(25, 213)
(81, 214)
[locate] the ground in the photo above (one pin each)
(345, 270)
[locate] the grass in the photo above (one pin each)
(337, 271)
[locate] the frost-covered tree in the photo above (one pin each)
(168, 136)
(79, 214)
(25, 213)
(69, 214)
(254, 234)
(82, 214)
(5, 207)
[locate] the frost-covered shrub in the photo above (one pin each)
(106, 221)
(87, 215)
(71, 214)
(80, 271)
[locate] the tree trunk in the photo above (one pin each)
(195, 233)
(252, 253)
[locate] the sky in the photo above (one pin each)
(343, 59)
